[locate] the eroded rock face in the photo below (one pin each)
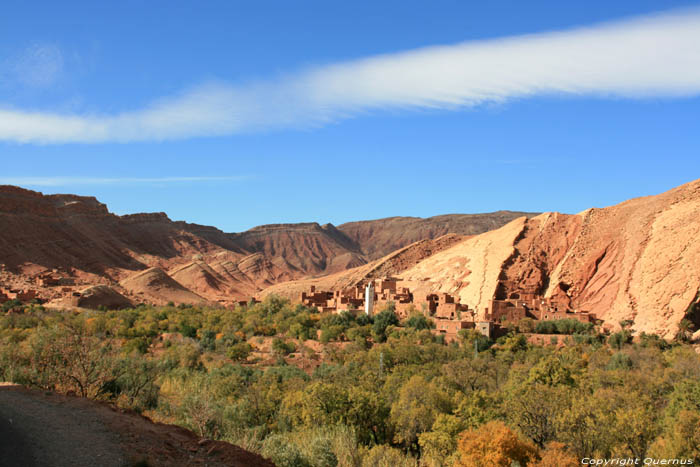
(639, 260)
(470, 269)
(390, 265)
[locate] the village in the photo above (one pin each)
(55, 280)
(449, 315)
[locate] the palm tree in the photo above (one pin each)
(684, 330)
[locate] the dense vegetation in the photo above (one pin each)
(307, 389)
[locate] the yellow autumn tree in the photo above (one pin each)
(493, 445)
(556, 455)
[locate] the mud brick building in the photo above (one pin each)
(509, 305)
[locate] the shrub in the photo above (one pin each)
(239, 351)
(331, 333)
(620, 361)
(281, 347)
(283, 453)
(385, 456)
(208, 340)
(67, 357)
(137, 344)
(418, 321)
(563, 326)
(618, 339)
(188, 331)
(526, 325)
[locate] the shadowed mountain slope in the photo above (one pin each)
(380, 237)
(77, 240)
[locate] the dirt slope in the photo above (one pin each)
(155, 286)
(42, 429)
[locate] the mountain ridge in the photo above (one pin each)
(77, 239)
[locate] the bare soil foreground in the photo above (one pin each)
(47, 429)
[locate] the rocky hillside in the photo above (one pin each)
(639, 260)
(148, 257)
(388, 266)
(378, 238)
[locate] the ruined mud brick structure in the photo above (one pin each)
(251, 300)
(485, 327)
(53, 279)
(387, 291)
(350, 299)
(511, 304)
(451, 327)
(23, 295)
(443, 305)
(450, 316)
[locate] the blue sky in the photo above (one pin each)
(238, 114)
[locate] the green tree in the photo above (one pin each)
(440, 442)
(685, 330)
(680, 438)
(618, 339)
(282, 347)
(418, 321)
(418, 404)
(551, 371)
(239, 352)
(382, 321)
(69, 358)
(534, 408)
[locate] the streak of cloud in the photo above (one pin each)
(70, 181)
(650, 56)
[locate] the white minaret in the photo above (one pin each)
(369, 299)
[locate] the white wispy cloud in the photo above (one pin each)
(651, 56)
(71, 181)
(37, 65)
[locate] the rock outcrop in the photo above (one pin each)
(639, 261)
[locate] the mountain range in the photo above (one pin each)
(638, 260)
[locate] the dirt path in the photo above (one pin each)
(46, 429)
(48, 432)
